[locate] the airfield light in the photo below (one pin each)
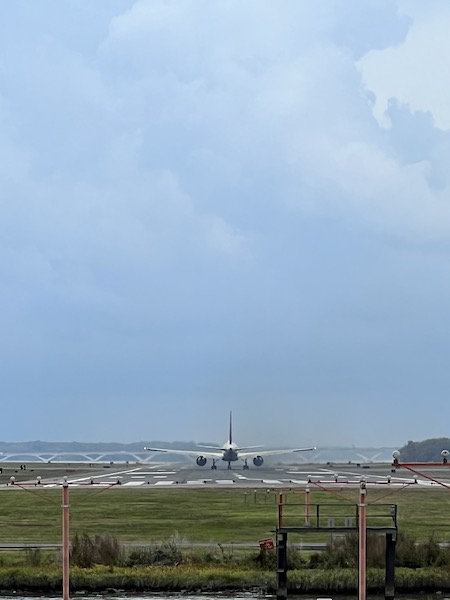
(309, 479)
(396, 456)
(65, 478)
(415, 478)
(444, 455)
(389, 479)
(12, 480)
(335, 477)
(38, 480)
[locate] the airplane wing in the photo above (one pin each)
(275, 452)
(198, 452)
(238, 448)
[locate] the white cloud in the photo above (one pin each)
(196, 196)
(414, 72)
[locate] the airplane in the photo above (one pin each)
(229, 452)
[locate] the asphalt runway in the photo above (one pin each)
(164, 475)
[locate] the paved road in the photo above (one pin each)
(165, 475)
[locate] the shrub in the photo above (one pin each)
(83, 551)
(33, 557)
(164, 553)
(409, 553)
(101, 550)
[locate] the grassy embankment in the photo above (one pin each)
(218, 517)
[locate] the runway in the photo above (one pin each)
(165, 475)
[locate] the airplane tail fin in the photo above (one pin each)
(230, 437)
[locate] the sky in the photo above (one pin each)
(222, 205)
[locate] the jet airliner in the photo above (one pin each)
(229, 452)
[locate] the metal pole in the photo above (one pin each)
(362, 562)
(307, 507)
(65, 540)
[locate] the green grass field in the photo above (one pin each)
(208, 515)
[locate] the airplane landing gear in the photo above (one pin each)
(229, 465)
(245, 464)
(214, 466)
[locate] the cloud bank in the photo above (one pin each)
(214, 206)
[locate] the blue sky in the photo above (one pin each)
(213, 206)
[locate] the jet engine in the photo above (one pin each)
(258, 461)
(201, 461)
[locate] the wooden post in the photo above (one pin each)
(65, 540)
(389, 579)
(362, 531)
(281, 566)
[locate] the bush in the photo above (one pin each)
(101, 550)
(340, 553)
(33, 557)
(415, 555)
(164, 553)
(266, 559)
(343, 553)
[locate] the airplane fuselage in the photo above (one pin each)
(230, 452)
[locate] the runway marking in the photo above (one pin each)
(156, 473)
(306, 473)
(135, 483)
(110, 475)
(159, 476)
(139, 476)
(224, 481)
(164, 482)
(239, 476)
(270, 481)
